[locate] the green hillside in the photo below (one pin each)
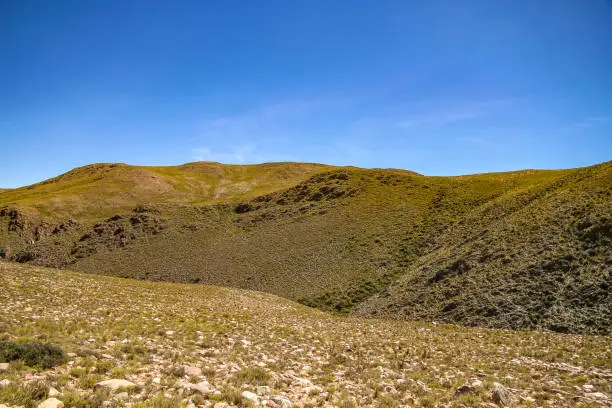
(525, 249)
(171, 345)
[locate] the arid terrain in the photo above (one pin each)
(172, 345)
(525, 249)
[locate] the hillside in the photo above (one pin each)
(172, 344)
(525, 249)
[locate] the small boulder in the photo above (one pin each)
(193, 371)
(51, 403)
(262, 390)
(250, 396)
(596, 395)
(122, 396)
(465, 388)
(500, 395)
(115, 384)
(281, 401)
(4, 367)
(203, 387)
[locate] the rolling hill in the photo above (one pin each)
(524, 249)
(180, 345)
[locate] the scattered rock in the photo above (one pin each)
(51, 403)
(201, 387)
(250, 396)
(122, 396)
(465, 388)
(500, 395)
(193, 371)
(596, 395)
(4, 367)
(262, 390)
(53, 392)
(115, 384)
(5, 383)
(281, 401)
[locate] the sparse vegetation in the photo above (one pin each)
(527, 249)
(165, 338)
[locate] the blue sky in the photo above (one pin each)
(439, 87)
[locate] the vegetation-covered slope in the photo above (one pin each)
(528, 249)
(172, 344)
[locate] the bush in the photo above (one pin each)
(32, 353)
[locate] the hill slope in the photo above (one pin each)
(527, 249)
(166, 338)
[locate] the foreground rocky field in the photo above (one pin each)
(143, 344)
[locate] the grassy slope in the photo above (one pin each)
(100, 190)
(142, 330)
(502, 250)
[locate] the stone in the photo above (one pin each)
(221, 405)
(193, 371)
(262, 390)
(51, 403)
(596, 395)
(115, 384)
(122, 396)
(5, 383)
(250, 396)
(4, 367)
(203, 387)
(500, 395)
(281, 401)
(53, 392)
(465, 388)
(477, 383)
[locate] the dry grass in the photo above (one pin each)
(527, 249)
(141, 331)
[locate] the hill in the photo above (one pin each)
(169, 344)
(525, 249)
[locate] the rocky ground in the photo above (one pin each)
(142, 344)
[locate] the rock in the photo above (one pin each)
(221, 405)
(465, 388)
(4, 367)
(122, 396)
(250, 396)
(596, 395)
(203, 387)
(115, 384)
(262, 390)
(5, 383)
(281, 401)
(51, 403)
(193, 371)
(500, 395)
(53, 392)
(477, 383)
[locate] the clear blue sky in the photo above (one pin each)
(439, 87)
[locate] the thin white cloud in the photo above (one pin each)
(450, 113)
(593, 121)
(234, 155)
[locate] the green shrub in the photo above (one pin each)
(32, 353)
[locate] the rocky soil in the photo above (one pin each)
(144, 344)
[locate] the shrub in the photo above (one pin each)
(32, 353)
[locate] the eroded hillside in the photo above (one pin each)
(528, 249)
